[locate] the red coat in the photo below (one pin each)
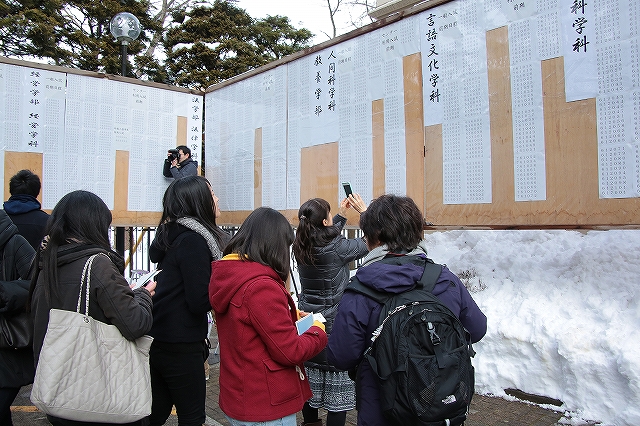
(261, 354)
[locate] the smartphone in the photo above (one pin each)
(347, 188)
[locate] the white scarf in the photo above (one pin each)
(378, 253)
(196, 226)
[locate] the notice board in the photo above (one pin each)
(96, 132)
(488, 113)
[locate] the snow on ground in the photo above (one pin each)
(563, 315)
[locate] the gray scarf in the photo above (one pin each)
(196, 226)
(380, 252)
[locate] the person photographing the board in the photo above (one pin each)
(179, 163)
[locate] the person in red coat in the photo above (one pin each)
(262, 377)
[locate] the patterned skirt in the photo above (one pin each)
(333, 391)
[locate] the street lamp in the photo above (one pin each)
(125, 28)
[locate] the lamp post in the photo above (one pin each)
(125, 28)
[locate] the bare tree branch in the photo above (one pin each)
(358, 11)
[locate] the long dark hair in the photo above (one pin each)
(79, 217)
(311, 230)
(264, 237)
(393, 220)
(191, 197)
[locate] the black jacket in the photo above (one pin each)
(16, 366)
(181, 302)
(323, 283)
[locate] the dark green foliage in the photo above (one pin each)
(87, 35)
(203, 44)
(217, 42)
(32, 29)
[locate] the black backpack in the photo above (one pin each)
(420, 352)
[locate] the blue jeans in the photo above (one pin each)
(285, 421)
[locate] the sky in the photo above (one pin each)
(310, 14)
(563, 315)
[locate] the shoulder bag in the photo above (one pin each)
(16, 331)
(87, 371)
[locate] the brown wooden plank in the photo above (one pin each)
(433, 173)
(319, 176)
(235, 218)
(181, 131)
(501, 121)
(16, 161)
(414, 128)
(377, 127)
(257, 168)
(122, 216)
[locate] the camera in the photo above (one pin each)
(173, 154)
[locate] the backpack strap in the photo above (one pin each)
(430, 276)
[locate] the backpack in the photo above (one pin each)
(420, 353)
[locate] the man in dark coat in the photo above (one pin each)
(16, 365)
(181, 164)
(24, 208)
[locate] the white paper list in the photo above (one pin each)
(527, 113)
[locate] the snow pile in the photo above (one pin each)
(563, 311)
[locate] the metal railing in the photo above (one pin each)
(138, 240)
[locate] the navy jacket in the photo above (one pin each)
(24, 211)
(358, 316)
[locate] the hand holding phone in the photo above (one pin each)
(356, 202)
(347, 188)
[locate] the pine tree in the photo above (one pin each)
(87, 37)
(215, 43)
(32, 29)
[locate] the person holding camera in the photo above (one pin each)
(179, 163)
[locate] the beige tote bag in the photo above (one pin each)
(87, 371)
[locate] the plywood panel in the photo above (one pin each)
(181, 131)
(501, 125)
(16, 161)
(236, 218)
(571, 150)
(121, 216)
(414, 127)
(433, 173)
(121, 184)
(377, 118)
(257, 168)
(181, 136)
(319, 177)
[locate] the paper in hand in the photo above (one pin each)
(305, 323)
(143, 280)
